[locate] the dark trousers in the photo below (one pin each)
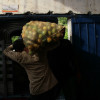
(49, 95)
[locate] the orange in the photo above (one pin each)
(49, 39)
(35, 45)
(44, 28)
(39, 40)
(23, 35)
(29, 46)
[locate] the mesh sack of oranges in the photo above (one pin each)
(37, 34)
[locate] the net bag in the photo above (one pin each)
(37, 34)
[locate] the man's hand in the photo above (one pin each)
(11, 46)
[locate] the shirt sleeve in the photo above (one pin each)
(19, 57)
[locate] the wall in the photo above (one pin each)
(57, 6)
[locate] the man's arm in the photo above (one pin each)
(12, 54)
(20, 57)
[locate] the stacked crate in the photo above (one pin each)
(6, 76)
(1, 70)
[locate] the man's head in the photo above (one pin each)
(18, 45)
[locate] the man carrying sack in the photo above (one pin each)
(31, 53)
